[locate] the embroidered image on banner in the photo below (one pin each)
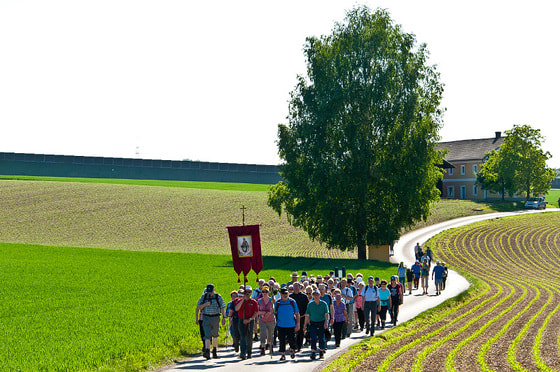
(244, 246)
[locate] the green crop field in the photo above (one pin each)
(86, 309)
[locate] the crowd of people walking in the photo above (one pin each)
(311, 310)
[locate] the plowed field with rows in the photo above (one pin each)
(511, 323)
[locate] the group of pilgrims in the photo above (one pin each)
(309, 310)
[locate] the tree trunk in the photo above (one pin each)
(362, 252)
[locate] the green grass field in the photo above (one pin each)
(87, 309)
(65, 305)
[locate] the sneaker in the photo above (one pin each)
(214, 353)
(206, 353)
(313, 356)
(243, 357)
(367, 331)
(292, 353)
(283, 357)
(321, 353)
(249, 356)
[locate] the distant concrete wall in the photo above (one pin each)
(19, 164)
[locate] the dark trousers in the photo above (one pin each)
(370, 311)
(338, 328)
(317, 332)
(235, 334)
(286, 335)
(246, 338)
(300, 335)
(395, 310)
(361, 318)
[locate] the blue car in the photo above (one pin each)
(535, 203)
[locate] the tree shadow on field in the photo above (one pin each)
(319, 265)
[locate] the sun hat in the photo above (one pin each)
(295, 274)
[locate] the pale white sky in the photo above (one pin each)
(210, 80)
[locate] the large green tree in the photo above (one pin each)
(520, 164)
(359, 148)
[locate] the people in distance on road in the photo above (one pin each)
(340, 317)
(267, 322)
(438, 273)
(302, 301)
(371, 305)
(211, 305)
(317, 321)
(430, 254)
(417, 270)
(425, 276)
(409, 279)
(247, 309)
(416, 249)
(360, 306)
(401, 271)
(287, 321)
(419, 254)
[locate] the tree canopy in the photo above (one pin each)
(519, 165)
(359, 148)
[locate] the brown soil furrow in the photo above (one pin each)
(380, 356)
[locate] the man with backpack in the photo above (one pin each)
(287, 322)
(371, 305)
(211, 305)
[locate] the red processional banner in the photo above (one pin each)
(245, 243)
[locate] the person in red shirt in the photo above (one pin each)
(247, 309)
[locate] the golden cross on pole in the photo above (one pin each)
(243, 209)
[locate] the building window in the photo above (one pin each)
(450, 171)
(475, 190)
(450, 192)
(475, 168)
(462, 170)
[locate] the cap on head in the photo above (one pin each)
(370, 278)
(284, 290)
(210, 288)
(248, 289)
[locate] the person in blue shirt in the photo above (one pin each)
(287, 322)
(417, 270)
(371, 305)
(438, 271)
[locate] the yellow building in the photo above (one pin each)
(463, 160)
